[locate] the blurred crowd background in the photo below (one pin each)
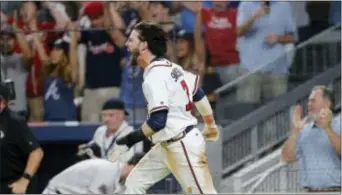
(256, 60)
(203, 38)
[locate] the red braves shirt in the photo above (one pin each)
(35, 77)
(220, 36)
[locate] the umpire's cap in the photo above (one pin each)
(4, 92)
(136, 158)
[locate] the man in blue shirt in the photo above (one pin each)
(263, 31)
(104, 54)
(315, 142)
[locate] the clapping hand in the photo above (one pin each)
(298, 121)
(324, 118)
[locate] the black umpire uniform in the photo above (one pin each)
(17, 142)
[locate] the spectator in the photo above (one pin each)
(133, 13)
(160, 13)
(114, 126)
(220, 38)
(104, 54)
(131, 91)
(263, 30)
(301, 17)
(188, 18)
(315, 141)
(29, 14)
(60, 69)
(190, 51)
(15, 66)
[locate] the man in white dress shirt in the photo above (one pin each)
(92, 176)
(114, 127)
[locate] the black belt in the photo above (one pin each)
(186, 131)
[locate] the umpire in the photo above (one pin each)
(20, 152)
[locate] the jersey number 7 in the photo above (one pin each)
(188, 106)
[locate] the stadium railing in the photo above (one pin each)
(268, 175)
(306, 59)
(245, 139)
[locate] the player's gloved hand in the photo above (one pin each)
(211, 132)
(132, 138)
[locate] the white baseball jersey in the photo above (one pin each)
(93, 176)
(167, 85)
(108, 144)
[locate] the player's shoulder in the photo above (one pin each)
(158, 68)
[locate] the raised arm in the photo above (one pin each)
(23, 44)
(39, 46)
(73, 53)
(288, 153)
(114, 21)
(58, 12)
(245, 20)
(199, 42)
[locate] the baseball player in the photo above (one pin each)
(93, 176)
(115, 126)
(180, 148)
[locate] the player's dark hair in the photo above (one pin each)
(155, 37)
(136, 158)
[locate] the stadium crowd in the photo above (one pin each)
(68, 58)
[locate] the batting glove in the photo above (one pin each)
(132, 138)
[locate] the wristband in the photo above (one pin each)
(135, 137)
(27, 176)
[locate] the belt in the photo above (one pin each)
(183, 134)
(330, 189)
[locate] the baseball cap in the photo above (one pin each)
(182, 34)
(93, 9)
(61, 44)
(114, 103)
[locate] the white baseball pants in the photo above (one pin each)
(185, 159)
